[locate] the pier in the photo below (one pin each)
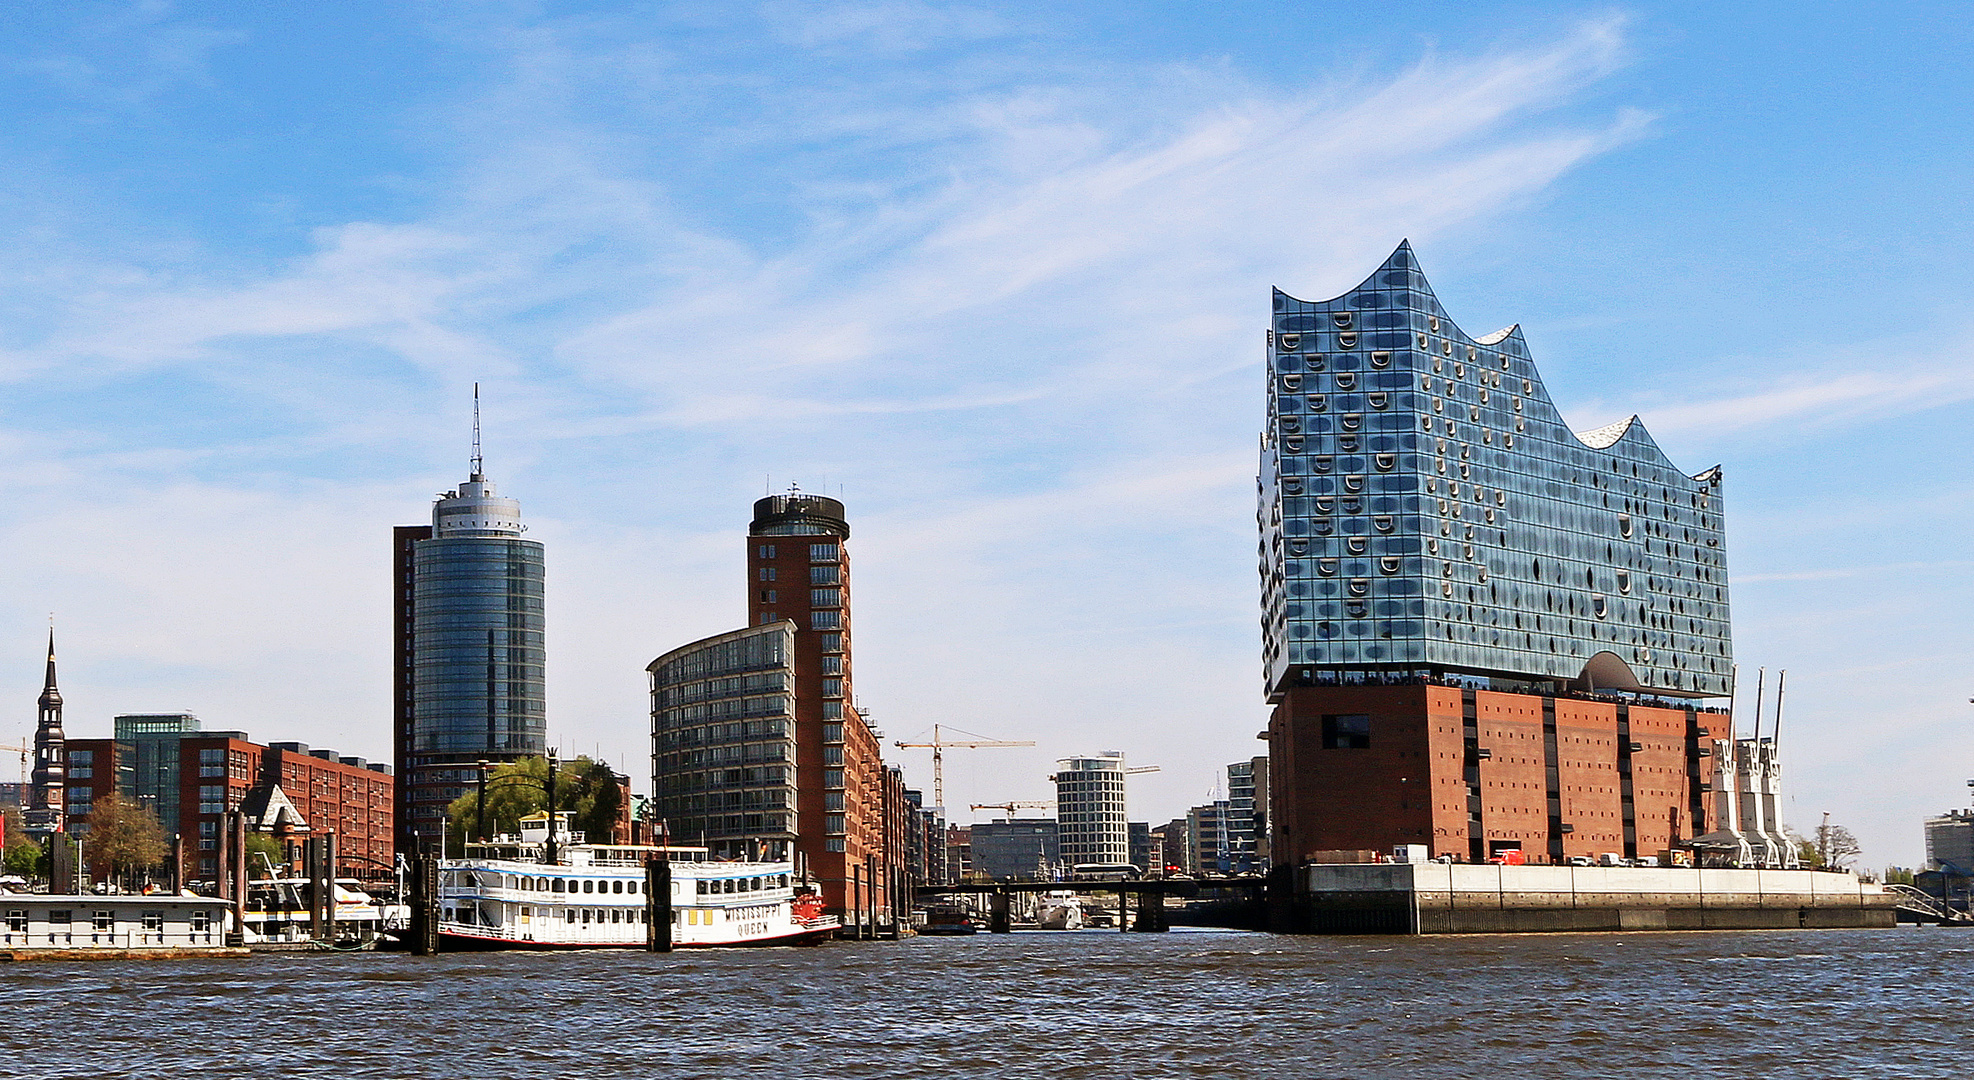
(1150, 894)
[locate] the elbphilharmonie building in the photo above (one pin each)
(1482, 632)
(1425, 507)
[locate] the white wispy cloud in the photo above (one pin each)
(1022, 337)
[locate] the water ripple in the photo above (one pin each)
(1181, 1005)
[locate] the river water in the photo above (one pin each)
(1838, 1003)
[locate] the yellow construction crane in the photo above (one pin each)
(1010, 806)
(938, 745)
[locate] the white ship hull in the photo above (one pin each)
(1059, 913)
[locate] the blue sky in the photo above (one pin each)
(999, 272)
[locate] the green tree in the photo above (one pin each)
(23, 856)
(516, 789)
(1836, 848)
(259, 844)
(124, 836)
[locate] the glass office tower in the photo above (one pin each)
(1425, 509)
(470, 653)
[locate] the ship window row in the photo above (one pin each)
(728, 886)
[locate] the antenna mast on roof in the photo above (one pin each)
(478, 470)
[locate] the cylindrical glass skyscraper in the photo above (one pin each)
(477, 656)
(471, 658)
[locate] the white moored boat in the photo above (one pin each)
(507, 895)
(279, 910)
(1059, 909)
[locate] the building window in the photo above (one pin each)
(832, 710)
(825, 620)
(212, 762)
(212, 798)
(824, 553)
(832, 665)
(825, 597)
(1349, 731)
(832, 778)
(767, 596)
(767, 573)
(825, 575)
(830, 642)
(832, 732)
(767, 551)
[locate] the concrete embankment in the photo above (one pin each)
(1449, 898)
(21, 955)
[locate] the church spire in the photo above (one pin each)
(46, 787)
(51, 698)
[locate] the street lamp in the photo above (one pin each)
(547, 789)
(484, 765)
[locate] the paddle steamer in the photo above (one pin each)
(509, 894)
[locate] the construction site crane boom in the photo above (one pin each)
(938, 745)
(25, 751)
(1010, 807)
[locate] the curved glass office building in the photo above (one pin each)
(470, 649)
(1424, 507)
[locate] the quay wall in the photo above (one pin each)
(1459, 898)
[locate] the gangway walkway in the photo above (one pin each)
(1919, 907)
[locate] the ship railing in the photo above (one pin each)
(121, 939)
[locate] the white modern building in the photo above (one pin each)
(1090, 825)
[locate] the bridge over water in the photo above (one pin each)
(1150, 895)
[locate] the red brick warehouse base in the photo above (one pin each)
(1469, 772)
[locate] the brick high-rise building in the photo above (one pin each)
(798, 569)
(1481, 629)
(757, 743)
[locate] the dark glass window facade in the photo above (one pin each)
(1424, 508)
(478, 652)
(723, 740)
